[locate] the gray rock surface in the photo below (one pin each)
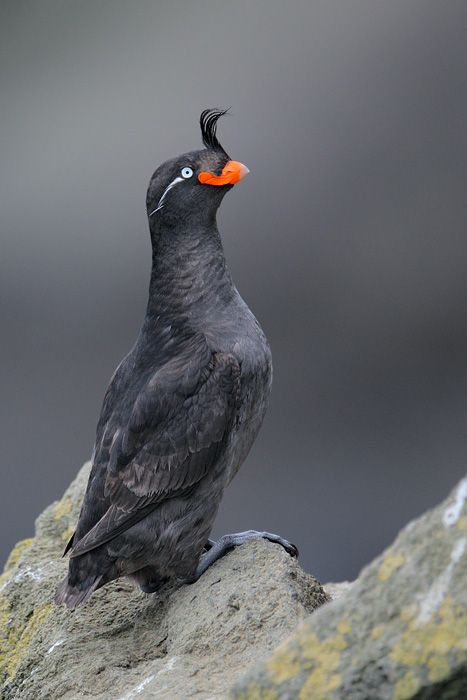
(184, 642)
(398, 633)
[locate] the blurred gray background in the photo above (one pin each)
(347, 240)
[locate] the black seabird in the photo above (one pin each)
(185, 405)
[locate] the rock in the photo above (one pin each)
(336, 590)
(182, 642)
(399, 632)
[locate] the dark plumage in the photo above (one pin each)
(184, 407)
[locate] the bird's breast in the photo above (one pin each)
(245, 340)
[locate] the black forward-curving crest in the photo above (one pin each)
(208, 122)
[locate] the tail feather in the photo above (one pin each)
(72, 596)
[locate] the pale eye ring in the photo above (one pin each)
(187, 172)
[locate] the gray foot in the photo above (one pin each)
(216, 550)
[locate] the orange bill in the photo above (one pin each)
(232, 173)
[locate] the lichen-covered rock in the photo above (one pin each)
(399, 633)
(182, 642)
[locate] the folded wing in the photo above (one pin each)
(178, 428)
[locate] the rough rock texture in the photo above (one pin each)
(184, 642)
(399, 632)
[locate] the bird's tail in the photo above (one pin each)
(72, 596)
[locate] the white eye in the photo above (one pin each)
(187, 172)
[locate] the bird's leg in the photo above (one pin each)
(209, 545)
(216, 550)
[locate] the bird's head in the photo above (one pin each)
(191, 187)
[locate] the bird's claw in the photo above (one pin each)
(288, 546)
(234, 540)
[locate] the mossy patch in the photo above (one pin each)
(378, 631)
(431, 644)
(15, 639)
(344, 626)
(407, 686)
(63, 507)
(319, 657)
(67, 534)
(16, 552)
(284, 664)
(256, 692)
(390, 563)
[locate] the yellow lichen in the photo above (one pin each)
(428, 643)
(4, 618)
(462, 524)
(377, 631)
(439, 668)
(15, 640)
(319, 659)
(339, 642)
(5, 577)
(312, 647)
(284, 663)
(390, 563)
(63, 507)
(256, 692)
(407, 686)
(344, 626)
(320, 684)
(67, 534)
(16, 552)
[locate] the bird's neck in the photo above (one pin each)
(189, 275)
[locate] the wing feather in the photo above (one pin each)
(176, 431)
